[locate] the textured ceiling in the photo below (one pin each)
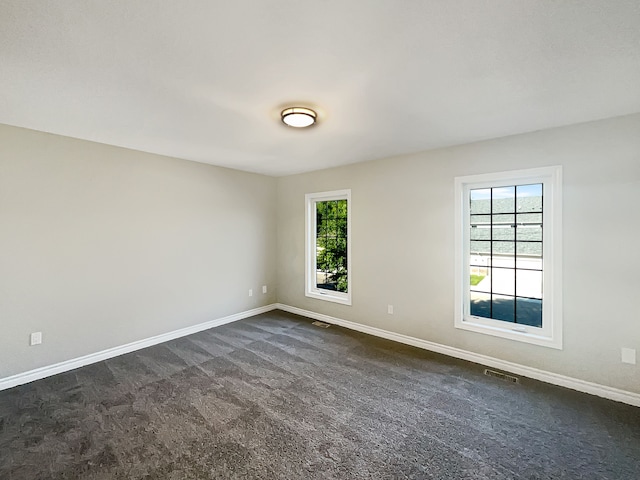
(204, 80)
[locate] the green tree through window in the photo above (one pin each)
(331, 245)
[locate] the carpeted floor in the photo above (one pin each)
(273, 397)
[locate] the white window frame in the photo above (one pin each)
(311, 290)
(550, 334)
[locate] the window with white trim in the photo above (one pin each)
(328, 246)
(508, 255)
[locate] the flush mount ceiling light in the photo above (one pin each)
(298, 117)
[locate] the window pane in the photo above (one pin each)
(503, 254)
(322, 280)
(503, 308)
(529, 283)
(503, 232)
(480, 233)
(480, 201)
(480, 304)
(480, 219)
(477, 275)
(478, 271)
(529, 255)
(331, 245)
(504, 200)
(503, 248)
(480, 248)
(529, 312)
(480, 279)
(503, 219)
(529, 232)
(479, 261)
(529, 218)
(503, 227)
(529, 198)
(503, 280)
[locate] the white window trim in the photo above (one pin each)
(550, 335)
(310, 247)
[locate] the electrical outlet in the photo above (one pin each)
(36, 338)
(390, 309)
(251, 292)
(264, 289)
(628, 355)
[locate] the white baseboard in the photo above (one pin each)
(548, 377)
(74, 363)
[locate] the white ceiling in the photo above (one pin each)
(205, 80)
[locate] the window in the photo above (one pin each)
(508, 255)
(328, 255)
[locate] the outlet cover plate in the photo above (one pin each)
(36, 338)
(629, 355)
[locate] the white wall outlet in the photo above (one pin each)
(629, 355)
(264, 289)
(390, 309)
(36, 338)
(251, 292)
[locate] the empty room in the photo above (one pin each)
(286, 239)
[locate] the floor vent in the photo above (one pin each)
(502, 376)
(321, 324)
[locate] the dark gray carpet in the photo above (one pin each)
(274, 397)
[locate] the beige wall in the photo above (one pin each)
(403, 234)
(101, 246)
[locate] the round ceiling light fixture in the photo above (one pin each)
(299, 117)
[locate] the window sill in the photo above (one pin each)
(344, 299)
(530, 335)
